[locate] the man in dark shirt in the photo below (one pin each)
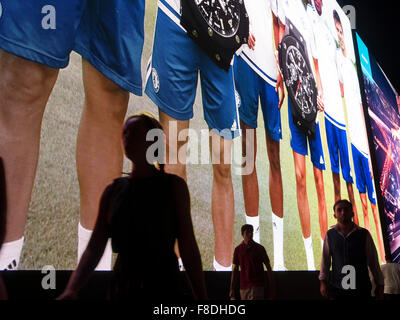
(250, 256)
(351, 252)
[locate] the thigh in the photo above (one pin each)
(317, 153)
(359, 170)
(271, 113)
(220, 105)
(298, 140)
(333, 146)
(247, 89)
(40, 31)
(344, 155)
(111, 37)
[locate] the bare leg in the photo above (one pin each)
(25, 87)
(378, 232)
(172, 127)
(222, 203)
(336, 186)
(323, 217)
(275, 177)
(350, 192)
(364, 203)
(99, 152)
(250, 181)
(301, 188)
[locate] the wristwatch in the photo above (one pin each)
(219, 27)
(299, 79)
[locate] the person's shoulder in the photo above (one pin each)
(176, 181)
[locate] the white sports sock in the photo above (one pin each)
(180, 263)
(322, 243)
(218, 267)
(10, 254)
(277, 232)
(309, 253)
(83, 240)
(255, 222)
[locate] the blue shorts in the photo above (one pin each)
(363, 174)
(107, 33)
(299, 142)
(252, 88)
(338, 150)
(172, 75)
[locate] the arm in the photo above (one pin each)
(186, 240)
(272, 291)
(374, 267)
(324, 269)
(234, 281)
(93, 252)
(320, 97)
(279, 31)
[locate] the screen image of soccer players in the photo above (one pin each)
(357, 132)
(320, 14)
(173, 71)
(256, 74)
(295, 11)
(34, 44)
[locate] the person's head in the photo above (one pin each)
(339, 31)
(388, 258)
(247, 232)
(343, 211)
(135, 141)
(318, 6)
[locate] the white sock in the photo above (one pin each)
(255, 222)
(322, 243)
(10, 254)
(277, 232)
(309, 253)
(180, 263)
(218, 267)
(83, 240)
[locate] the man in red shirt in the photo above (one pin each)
(250, 256)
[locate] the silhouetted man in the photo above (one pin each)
(250, 256)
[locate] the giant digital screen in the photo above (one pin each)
(300, 167)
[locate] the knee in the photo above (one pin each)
(222, 173)
(25, 82)
(300, 179)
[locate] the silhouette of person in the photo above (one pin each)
(391, 276)
(144, 214)
(352, 253)
(250, 256)
(3, 208)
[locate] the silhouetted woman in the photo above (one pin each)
(143, 214)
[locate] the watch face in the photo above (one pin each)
(299, 78)
(223, 16)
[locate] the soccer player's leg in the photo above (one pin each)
(221, 114)
(273, 132)
(298, 144)
(333, 149)
(31, 52)
(171, 84)
(246, 84)
(372, 200)
(361, 183)
(346, 170)
(111, 69)
(99, 153)
(318, 160)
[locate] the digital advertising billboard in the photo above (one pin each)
(290, 119)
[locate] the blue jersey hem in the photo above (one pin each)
(107, 72)
(32, 54)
